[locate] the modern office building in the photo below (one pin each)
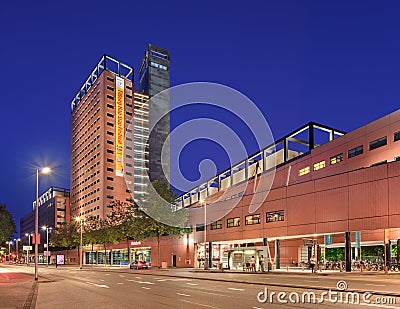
(329, 190)
(101, 145)
(153, 80)
(53, 212)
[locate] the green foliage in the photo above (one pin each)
(7, 224)
(334, 254)
(372, 251)
(67, 236)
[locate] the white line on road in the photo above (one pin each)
(138, 277)
(234, 289)
(257, 308)
(98, 285)
(162, 280)
(375, 284)
(186, 295)
(122, 276)
(120, 283)
(198, 304)
(146, 288)
(188, 283)
(107, 274)
(311, 281)
(146, 282)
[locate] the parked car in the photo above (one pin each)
(139, 265)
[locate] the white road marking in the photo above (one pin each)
(138, 277)
(198, 304)
(311, 281)
(234, 289)
(143, 287)
(122, 276)
(98, 285)
(375, 284)
(107, 274)
(162, 280)
(257, 308)
(186, 295)
(120, 283)
(102, 280)
(191, 283)
(146, 282)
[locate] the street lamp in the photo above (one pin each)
(79, 219)
(29, 247)
(16, 242)
(9, 250)
(45, 170)
(205, 233)
(46, 228)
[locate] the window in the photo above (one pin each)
(378, 143)
(110, 115)
(355, 151)
(110, 188)
(319, 165)
(336, 159)
(304, 171)
(216, 225)
(110, 142)
(275, 216)
(110, 79)
(110, 106)
(110, 97)
(110, 151)
(200, 227)
(110, 133)
(252, 219)
(379, 163)
(110, 169)
(110, 88)
(110, 196)
(110, 160)
(110, 124)
(110, 178)
(232, 222)
(396, 136)
(397, 158)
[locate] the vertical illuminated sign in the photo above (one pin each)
(119, 127)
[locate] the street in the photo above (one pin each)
(69, 287)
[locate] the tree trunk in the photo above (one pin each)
(129, 251)
(159, 250)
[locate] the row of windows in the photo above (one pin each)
(84, 106)
(273, 216)
(351, 153)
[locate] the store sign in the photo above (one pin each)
(328, 240)
(119, 127)
(60, 259)
(237, 258)
(357, 239)
(136, 243)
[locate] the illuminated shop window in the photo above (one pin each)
(252, 219)
(336, 159)
(319, 165)
(216, 225)
(304, 171)
(275, 216)
(378, 143)
(232, 222)
(355, 151)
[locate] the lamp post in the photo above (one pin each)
(46, 228)
(205, 233)
(45, 170)
(16, 248)
(29, 245)
(9, 250)
(79, 219)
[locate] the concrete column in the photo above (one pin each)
(347, 251)
(210, 255)
(277, 254)
(388, 252)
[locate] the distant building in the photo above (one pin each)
(53, 212)
(155, 78)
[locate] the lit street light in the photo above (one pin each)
(45, 170)
(16, 242)
(46, 228)
(79, 219)
(29, 245)
(9, 243)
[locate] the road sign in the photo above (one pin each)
(46, 253)
(27, 248)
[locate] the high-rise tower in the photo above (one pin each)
(154, 79)
(101, 157)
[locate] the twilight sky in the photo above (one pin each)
(333, 62)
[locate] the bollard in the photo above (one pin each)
(302, 267)
(287, 268)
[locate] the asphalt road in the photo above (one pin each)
(74, 288)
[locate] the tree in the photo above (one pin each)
(66, 236)
(159, 216)
(7, 224)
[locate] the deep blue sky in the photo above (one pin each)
(334, 62)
